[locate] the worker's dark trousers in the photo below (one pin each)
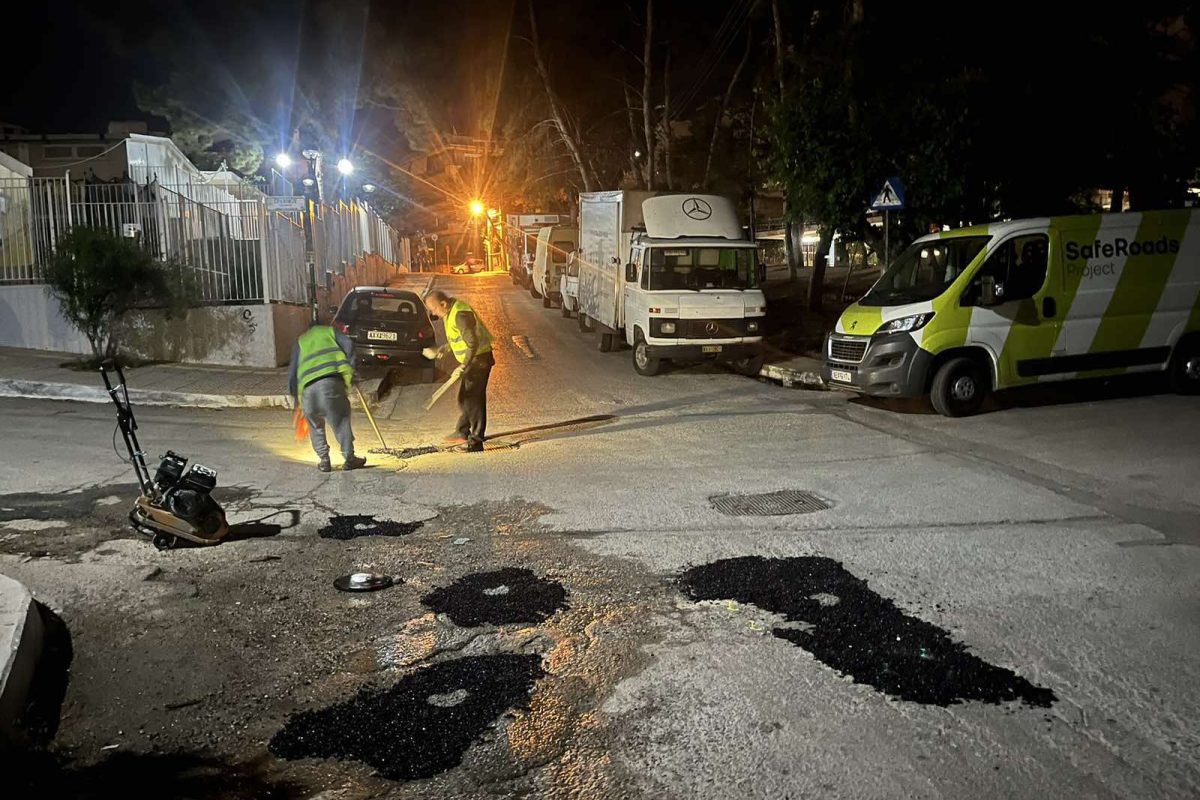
(472, 402)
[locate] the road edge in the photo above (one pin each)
(49, 390)
(21, 638)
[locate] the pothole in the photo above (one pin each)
(859, 633)
(402, 732)
(770, 504)
(503, 597)
(351, 526)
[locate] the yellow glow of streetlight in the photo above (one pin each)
(477, 208)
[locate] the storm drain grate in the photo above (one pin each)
(771, 504)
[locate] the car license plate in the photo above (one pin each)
(840, 375)
(710, 348)
(385, 336)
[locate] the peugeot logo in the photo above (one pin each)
(697, 209)
(853, 324)
(710, 328)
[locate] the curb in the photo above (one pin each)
(21, 633)
(793, 378)
(47, 390)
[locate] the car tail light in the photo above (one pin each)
(344, 327)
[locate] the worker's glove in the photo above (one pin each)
(430, 353)
(458, 371)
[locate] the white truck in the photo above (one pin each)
(554, 244)
(671, 275)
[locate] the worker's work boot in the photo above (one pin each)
(324, 465)
(354, 462)
(475, 447)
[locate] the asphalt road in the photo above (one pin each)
(1002, 606)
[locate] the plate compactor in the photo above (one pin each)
(177, 503)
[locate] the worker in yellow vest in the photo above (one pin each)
(321, 372)
(471, 343)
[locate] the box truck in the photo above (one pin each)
(672, 276)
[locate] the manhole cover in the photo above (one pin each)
(771, 504)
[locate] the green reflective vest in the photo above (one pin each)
(320, 355)
(454, 334)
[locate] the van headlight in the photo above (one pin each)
(906, 324)
(751, 326)
(667, 327)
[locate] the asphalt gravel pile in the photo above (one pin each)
(351, 526)
(420, 727)
(503, 597)
(850, 628)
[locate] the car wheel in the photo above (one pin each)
(607, 342)
(643, 364)
(749, 366)
(959, 388)
(1185, 366)
(534, 293)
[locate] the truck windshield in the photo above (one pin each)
(924, 271)
(698, 268)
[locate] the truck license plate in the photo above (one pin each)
(840, 375)
(710, 348)
(386, 336)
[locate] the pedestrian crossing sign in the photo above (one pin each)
(890, 197)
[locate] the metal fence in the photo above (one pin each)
(234, 249)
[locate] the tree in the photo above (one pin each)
(99, 277)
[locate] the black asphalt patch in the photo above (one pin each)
(503, 597)
(859, 633)
(351, 526)
(420, 727)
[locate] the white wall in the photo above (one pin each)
(250, 335)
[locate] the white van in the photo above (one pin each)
(550, 262)
(1014, 303)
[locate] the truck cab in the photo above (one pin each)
(692, 287)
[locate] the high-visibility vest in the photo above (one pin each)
(320, 356)
(454, 333)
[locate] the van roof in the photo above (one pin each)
(999, 229)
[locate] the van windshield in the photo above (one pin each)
(698, 268)
(924, 271)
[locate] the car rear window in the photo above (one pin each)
(384, 305)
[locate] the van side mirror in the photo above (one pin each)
(630, 273)
(990, 292)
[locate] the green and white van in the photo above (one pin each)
(1013, 303)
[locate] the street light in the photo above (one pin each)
(283, 161)
(477, 208)
(369, 188)
(345, 167)
(310, 154)
(309, 182)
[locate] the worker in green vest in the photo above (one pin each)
(321, 372)
(471, 343)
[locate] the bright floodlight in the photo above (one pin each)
(368, 188)
(311, 154)
(283, 161)
(308, 182)
(477, 208)
(345, 167)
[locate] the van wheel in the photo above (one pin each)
(533, 292)
(565, 310)
(547, 302)
(643, 364)
(607, 342)
(958, 388)
(1185, 367)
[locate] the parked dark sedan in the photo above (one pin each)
(389, 327)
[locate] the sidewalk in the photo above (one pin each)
(20, 647)
(39, 374)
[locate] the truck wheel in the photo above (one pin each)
(643, 364)
(749, 366)
(1185, 367)
(607, 341)
(958, 388)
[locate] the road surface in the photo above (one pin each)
(1001, 606)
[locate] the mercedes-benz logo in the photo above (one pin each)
(710, 328)
(698, 209)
